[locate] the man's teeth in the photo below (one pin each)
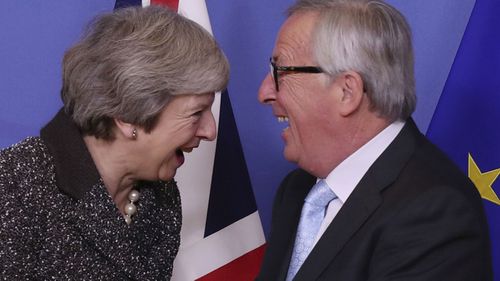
(282, 119)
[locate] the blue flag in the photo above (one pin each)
(466, 122)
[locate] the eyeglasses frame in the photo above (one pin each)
(297, 69)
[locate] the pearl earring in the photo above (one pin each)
(134, 133)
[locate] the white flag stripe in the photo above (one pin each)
(195, 176)
(197, 255)
(194, 179)
(195, 10)
(206, 255)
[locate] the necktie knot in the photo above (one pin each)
(320, 195)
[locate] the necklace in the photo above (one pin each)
(131, 208)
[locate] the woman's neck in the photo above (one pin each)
(110, 159)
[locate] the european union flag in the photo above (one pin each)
(466, 124)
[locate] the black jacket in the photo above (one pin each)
(413, 216)
(59, 223)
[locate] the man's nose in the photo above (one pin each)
(267, 91)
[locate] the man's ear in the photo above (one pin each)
(352, 96)
(127, 130)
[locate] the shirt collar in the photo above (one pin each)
(344, 178)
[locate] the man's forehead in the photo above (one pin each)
(294, 37)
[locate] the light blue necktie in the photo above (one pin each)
(312, 215)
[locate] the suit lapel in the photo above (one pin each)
(361, 204)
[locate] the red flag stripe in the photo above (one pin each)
(173, 4)
(244, 268)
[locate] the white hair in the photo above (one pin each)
(371, 38)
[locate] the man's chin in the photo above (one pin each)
(289, 155)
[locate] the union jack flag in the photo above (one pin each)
(222, 236)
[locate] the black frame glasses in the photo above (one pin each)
(297, 69)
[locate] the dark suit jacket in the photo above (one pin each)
(413, 216)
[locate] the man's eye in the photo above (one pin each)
(198, 113)
(282, 75)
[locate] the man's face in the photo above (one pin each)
(306, 101)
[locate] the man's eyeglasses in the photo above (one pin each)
(298, 69)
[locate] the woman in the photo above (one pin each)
(93, 198)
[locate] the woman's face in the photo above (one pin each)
(183, 123)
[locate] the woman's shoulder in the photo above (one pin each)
(24, 162)
(30, 145)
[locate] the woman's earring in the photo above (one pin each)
(134, 134)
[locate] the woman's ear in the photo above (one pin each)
(127, 130)
(352, 95)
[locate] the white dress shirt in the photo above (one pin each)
(346, 176)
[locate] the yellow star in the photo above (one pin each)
(484, 181)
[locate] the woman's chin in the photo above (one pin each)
(167, 175)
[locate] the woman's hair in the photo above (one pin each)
(131, 62)
(371, 38)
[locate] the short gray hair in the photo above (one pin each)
(130, 63)
(371, 38)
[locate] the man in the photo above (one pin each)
(393, 206)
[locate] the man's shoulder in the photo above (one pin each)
(426, 162)
(434, 165)
(430, 172)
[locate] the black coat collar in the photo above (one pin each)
(76, 172)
